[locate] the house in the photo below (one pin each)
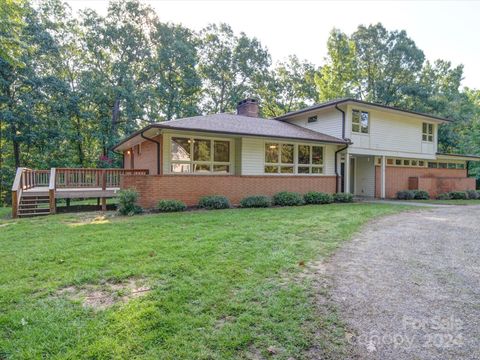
(344, 145)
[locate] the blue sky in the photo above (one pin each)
(442, 29)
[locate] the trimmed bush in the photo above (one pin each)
(171, 206)
(343, 197)
(256, 201)
(314, 197)
(406, 195)
(421, 195)
(286, 198)
(213, 202)
(473, 194)
(444, 196)
(127, 202)
(458, 195)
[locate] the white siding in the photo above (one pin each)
(365, 176)
(390, 134)
(253, 156)
(329, 122)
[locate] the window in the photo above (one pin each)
(360, 121)
(406, 162)
(421, 163)
(398, 162)
(279, 158)
(312, 119)
(432, 165)
(427, 132)
(460, 166)
(310, 159)
(200, 155)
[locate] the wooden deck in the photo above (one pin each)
(74, 193)
(32, 190)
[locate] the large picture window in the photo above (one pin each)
(280, 159)
(360, 121)
(191, 155)
(427, 132)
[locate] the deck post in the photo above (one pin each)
(14, 204)
(17, 189)
(104, 188)
(51, 190)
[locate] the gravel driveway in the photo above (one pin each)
(408, 286)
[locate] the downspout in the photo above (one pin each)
(158, 150)
(339, 150)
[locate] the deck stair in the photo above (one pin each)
(35, 205)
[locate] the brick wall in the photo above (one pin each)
(189, 188)
(441, 180)
(146, 159)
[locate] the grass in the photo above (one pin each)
(224, 283)
(449, 202)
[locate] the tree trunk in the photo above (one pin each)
(16, 152)
(115, 114)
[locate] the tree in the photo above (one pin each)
(290, 86)
(11, 26)
(175, 83)
(229, 66)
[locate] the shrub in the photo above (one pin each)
(343, 197)
(286, 198)
(473, 194)
(406, 195)
(127, 202)
(256, 201)
(458, 195)
(213, 202)
(171, 206)
(444, 196)
(421, 195)
(314, 197)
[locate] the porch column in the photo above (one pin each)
(382, 181)
(346, 179)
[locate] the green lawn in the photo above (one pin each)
(224, 283)
(449, 202)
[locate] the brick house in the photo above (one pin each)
(344, 145)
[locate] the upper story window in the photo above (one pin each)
(360, 121)
(200, 155)
(312, 119)
(427, 132)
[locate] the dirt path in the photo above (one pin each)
(408, 286)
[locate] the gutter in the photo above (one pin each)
(158, 149)
(338, 176)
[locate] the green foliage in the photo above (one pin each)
(343, 197)
(256, 201)
(473, 195)
(458, 195)
(421, 195)
(127, 202)
(406, 195)
(213, 202)
(314, 197)
(286, 198)
(171, 206)
(444, 196)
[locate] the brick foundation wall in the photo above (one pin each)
(189, 188)
(435, 181)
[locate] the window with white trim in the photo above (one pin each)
(360, 121)
(284, 158)
(279, 158)
(427, 132)
(193, 155)
(310, 159)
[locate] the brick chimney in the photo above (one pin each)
(248, 107)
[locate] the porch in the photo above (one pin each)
(35, 192)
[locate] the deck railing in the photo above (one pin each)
(92, 178)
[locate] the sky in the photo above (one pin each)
(446, 30)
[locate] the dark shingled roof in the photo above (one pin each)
(242, 125)
(345, 100)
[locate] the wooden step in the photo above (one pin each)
(25, 215)
(33, 210)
